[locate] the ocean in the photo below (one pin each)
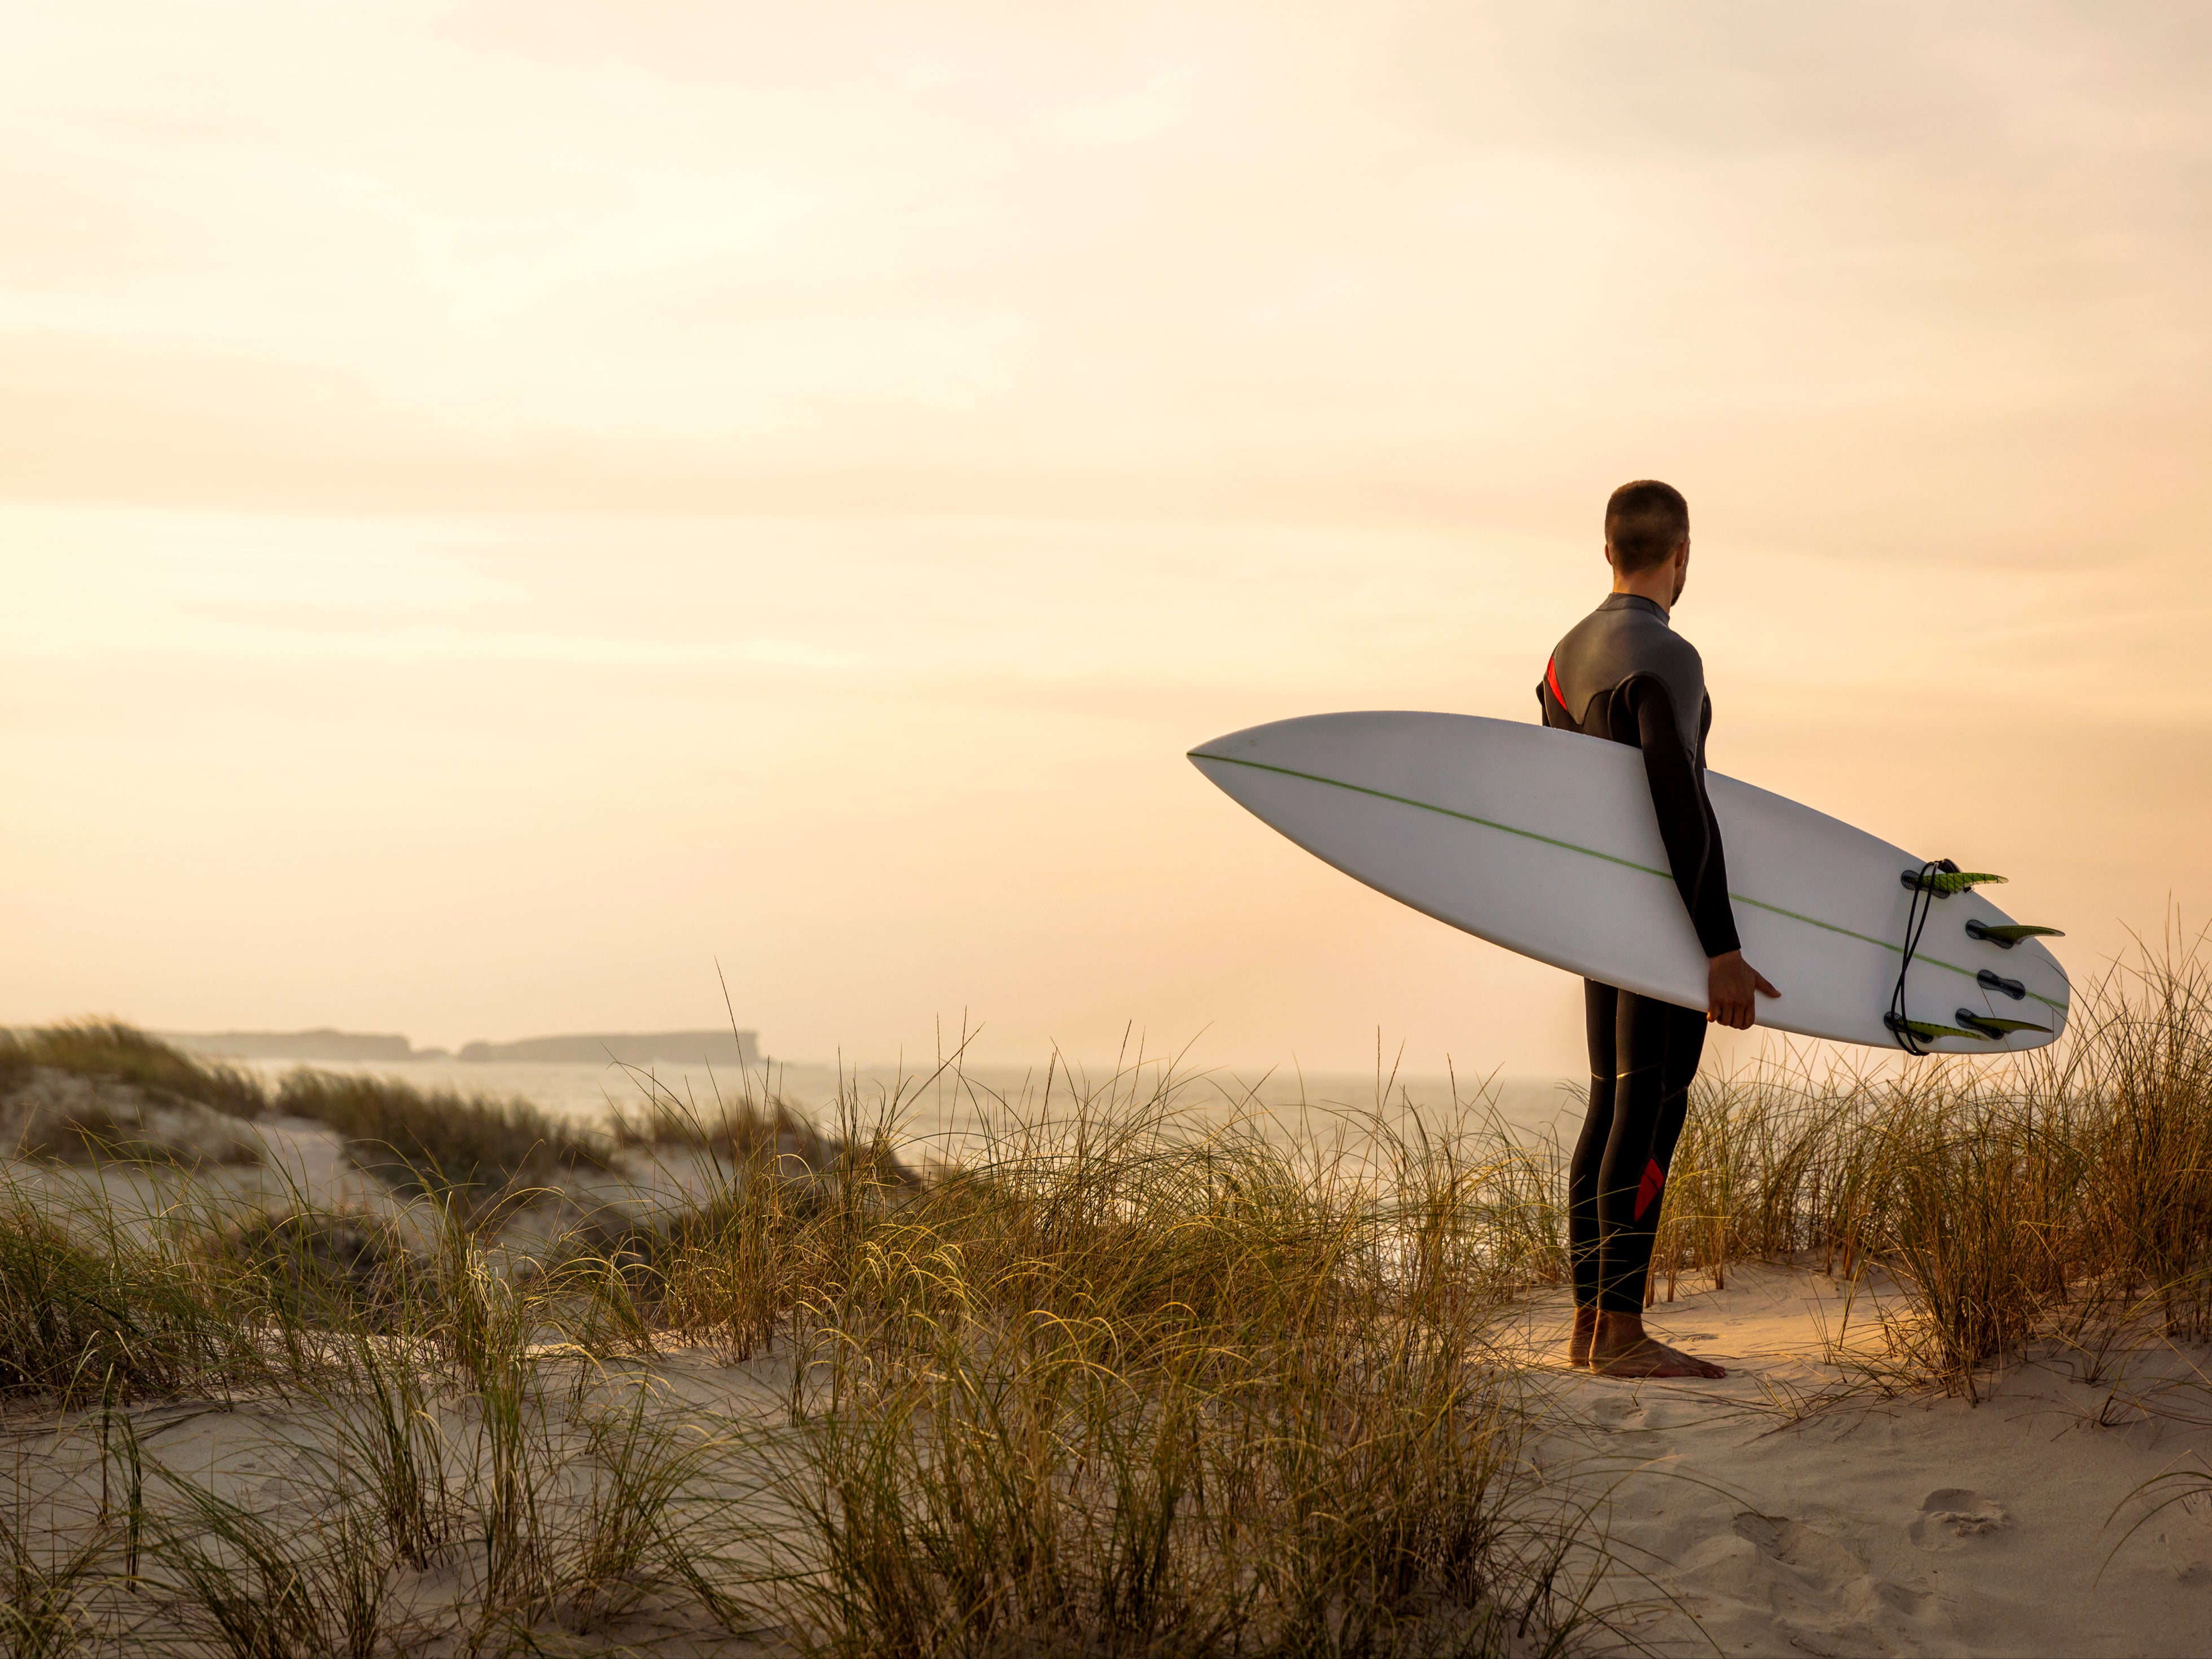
(944, 1111)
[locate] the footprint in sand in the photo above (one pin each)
(1950, 1516)
(1828, 1595)
(1817, 1558)
(1628, 1428)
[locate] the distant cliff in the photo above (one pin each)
(321, 1043)
(723, 1047)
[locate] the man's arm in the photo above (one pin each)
(1692, 838)
(1687, 825)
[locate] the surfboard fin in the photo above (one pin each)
(1944, 883)
(1926, 1030)
(2005, 935)
(1986, 1025)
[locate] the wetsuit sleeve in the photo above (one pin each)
(1687, 825)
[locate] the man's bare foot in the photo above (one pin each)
(1621, 1348)
(1579, 1344)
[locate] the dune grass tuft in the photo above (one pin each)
(419, 1140)
(99, 1091)
(86, 1125)
(90, 1310)
(2064, 1196)
(43, 1612)
(108, 1048)
(758, 1127)
(315, 1270)
(1134, 1382)
(414, 1139)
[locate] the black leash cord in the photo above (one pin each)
(1916, 923)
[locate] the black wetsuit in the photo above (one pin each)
(1623, 673)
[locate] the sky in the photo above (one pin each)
(512, 517)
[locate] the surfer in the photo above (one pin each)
(1622, 672)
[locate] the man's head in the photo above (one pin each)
(1647, 527)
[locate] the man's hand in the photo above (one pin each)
(1729, 982)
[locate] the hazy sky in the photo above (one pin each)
(503, 506)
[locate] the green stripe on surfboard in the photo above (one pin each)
(1591, 852)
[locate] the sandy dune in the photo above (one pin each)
(1794, 1507)
(277, 1459)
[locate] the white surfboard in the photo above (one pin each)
(1546, 842)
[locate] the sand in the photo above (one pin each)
(1768, 1523)
(275, 1457)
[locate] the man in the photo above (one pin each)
(1622, 672)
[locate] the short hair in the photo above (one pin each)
(1645, 523)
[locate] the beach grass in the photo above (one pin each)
(94, 1308)
(98, 1090)
(1134, 1380)
(94, 1129)
(411, 1139)
(1123, 1376)
(2062, 1196)
(419, 1140)
(108, 1049)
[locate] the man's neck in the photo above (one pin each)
(1657, 586)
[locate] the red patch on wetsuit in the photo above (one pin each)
(1552, 679)
(1648, 1188)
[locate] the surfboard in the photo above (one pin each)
(1546, 842)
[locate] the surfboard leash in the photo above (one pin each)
(1925, 891)
(1940, 878)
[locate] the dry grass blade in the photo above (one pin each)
(45, 1614)
(261, 1588)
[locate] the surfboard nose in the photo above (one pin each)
(1231, 745)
